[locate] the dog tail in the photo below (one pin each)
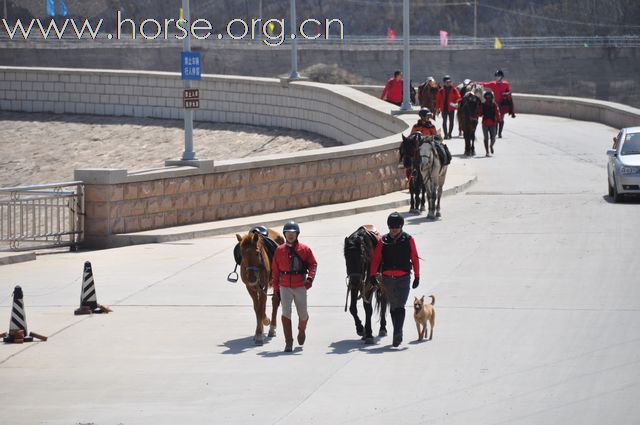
(433, 299)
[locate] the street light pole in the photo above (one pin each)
(5, 10)
(188, 153)
(406, 104)
(294, 44)
(475, 21)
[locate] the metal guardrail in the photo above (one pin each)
(349, 42)
(42, 216)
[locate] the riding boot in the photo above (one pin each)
(302, 326)
(397, 316)
(288, 334)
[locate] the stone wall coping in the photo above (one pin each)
(601, 104)
(119, 176)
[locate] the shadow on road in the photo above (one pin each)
(240, 345)
(628, 199)
(347, 346)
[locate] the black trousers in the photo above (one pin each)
(448, 115)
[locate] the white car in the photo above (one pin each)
(624, 164)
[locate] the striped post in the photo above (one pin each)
(18, 323)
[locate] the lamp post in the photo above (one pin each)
(406, 104)
(294, 44)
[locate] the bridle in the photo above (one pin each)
(362, 276)
(259, 269)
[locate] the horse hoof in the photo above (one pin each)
(369, 340)
(272, 333)
(438, 215)
(422, 209)
(360, 331)
(383, 332)
(430, 216)
(259, 341)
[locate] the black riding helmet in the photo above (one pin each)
(395, 220)
(499, 73)
(291, 226)
(424, 113)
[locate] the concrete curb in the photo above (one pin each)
(16, 257)
(241, 225)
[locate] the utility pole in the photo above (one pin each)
(5, 10)
(406, 78)
(475, 22)
(294, 44)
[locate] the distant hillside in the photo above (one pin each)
(373, 17)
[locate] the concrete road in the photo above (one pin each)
(538, 315)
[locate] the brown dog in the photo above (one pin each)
(422, 313)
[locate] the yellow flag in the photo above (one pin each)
(498, 43)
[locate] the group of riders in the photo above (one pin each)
(294, 266)
(490, 100)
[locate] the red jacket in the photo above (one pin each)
(281, 266)
(377, 258)
(452, 102)
(393, 91)
(488, 120)
(498, 88)
(426, 128)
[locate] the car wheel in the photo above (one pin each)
(617, 197)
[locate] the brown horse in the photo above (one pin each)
(255, 271)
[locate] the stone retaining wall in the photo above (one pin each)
(121, 201)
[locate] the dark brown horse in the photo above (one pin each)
(358, 249)
(256, 251)
(468, 112)
(410, 157)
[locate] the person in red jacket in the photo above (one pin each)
(490, 118)
(447, 103)
(395, 256)
(502, 92)
(424, 124)
(392, 92)
(293, 270)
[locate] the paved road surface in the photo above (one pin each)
(538, 315)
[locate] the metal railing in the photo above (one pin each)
(42, 216)
(349, 42)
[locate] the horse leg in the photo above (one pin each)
(275, 303)
(258, 337)
(423, 191)
(383, 314)
(431, 194)
(353, 309)
(368, 333)
(439, 196)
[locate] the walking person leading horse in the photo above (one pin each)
(396, 255)
(293, 270)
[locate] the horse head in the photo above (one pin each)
(254, 266)
(358, 250)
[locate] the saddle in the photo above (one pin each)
(443, 152)
(269, 244)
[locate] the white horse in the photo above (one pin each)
(433, 174)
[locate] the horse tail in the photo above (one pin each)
(433, 299)
(380, 299)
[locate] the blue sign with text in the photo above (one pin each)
(191, 66)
